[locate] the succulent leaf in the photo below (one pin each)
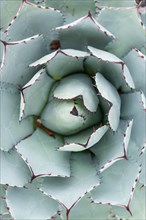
(108, 92)
(18, 173)
(78, 85)
(116, 73)
(114, 189)
(37, 205)
(108, 57)
(136, 62)
(125, 37)
(15, 69)
(40, 152)
(32, 17)
(142, 178)
(133, 108)
(68, 191)
(62, 62)
(113, 146)
(92, 211)
(10, 108)
(66, 52)
(71, 116)
(137, 206)
(8, 9)
(71, 8)
(36, 89)
(85, 31)
(3, 207)
(117, 4)
(84, 140)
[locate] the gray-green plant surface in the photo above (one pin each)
(73, 110)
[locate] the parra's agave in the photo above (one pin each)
(73, 110)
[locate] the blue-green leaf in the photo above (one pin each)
(123, 23)
(137, 206)
(117, 3)
(113, 146)
(34, 94)
(37, 206)
(69, 191)
(62, 62)
(85, 209)
(111, 58)
(107, 91)
(142, 178)
(69, 116)
(3, 205)
(85, 31)
(84, 139)
(8, 9)
(78, 85)
(18, 56)
(117, 184)
(136, 62)
(71, 8)
(15, 172)
(35, 21)
(40, 152)
(133, 107)
(12, 131)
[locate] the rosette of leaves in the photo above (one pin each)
(73, 110)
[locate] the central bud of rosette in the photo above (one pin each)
(73, 105)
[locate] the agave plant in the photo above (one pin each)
(73, 110)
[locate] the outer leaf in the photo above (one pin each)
(69, 190)
(117, 183)
(85, 31)
(40, 152)
(37, 206)
(81, 20)
(136, 63)
(142, 178)
(78, 85)
(133, 108)
(113, 146)
(32, 17)
(16, 68)
(8, 9)
(85, 209)
(3, 207)
(107, 91)
(134, 152)
(137, 206)
(127, 23)
(11, 130)
(71, 8)
(14, 171)
(117, 3)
